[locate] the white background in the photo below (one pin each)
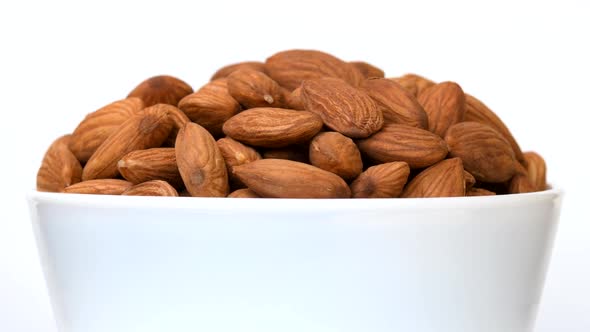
(527, 60)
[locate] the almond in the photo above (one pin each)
(243, 193)
(211, 106)
(178, 119)
(290, 179)
(99, 187)
(143, 130)
(151, 188)
(479, 192)
(150, 164)
(336, 153)
(417, 147)
(200, 162)
(469, 180)
(161, 90)
(252, 88)
(272, 127)
(477, 111)
(398, 105)
(413, 83)
(291, 68)
(445, 105)
(294, 99)
(99, 125)
(520, 182)
(298, 153)
(342, 107)
(367, 69)
(59, 168)
(443, 179)
(227, 70)
(235, 153)
(381, 181)
(486, 154)
(536, 169)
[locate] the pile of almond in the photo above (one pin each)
(303, 124)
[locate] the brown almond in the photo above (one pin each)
(342, 107)
(252, 88)
(144, 130)
(178, 119)
(211, 106)
(397, 104)
(367, 69)
(291, 68)
(417, 147)
(59, 168)
(294, 100)
(243, 193)
(99, 125)
(200, 162)
(469, 180)
(290, 179)
(443, 179)
(477, 111)
(486, 154)
(444, 104)
(227, 70)
(336, 153)
(150, 164)
(151, 188)
(235, 153)
(161, 90)
(272, 127)
(99, 187)
(479, 192)
(299, 152)
(520, 182)
(536, 169)
(381, 181)
(415, 84)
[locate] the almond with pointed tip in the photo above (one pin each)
(443, 179)
(336, 153)
(144, 130)
(151, 188)
(444, 104)
(486, 154)
(398, 105)
(381, 181)
(536, 169)
(99, 187)
(200, 162)
(469, 180)
(342, 107)
(367, 69)
(415, 84)
(150, 164)
(99, 125)
(235, 153)
(294, 100)
(243, 193)
(59, 168)
(290, 179)
(161, 89)
(272, 127)
(252, 88)
(417, 147)
(227, 70)
(520, 182)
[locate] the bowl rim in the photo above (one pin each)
(293, 204)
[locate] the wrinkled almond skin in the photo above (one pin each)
(151, 188)
(381, 181)
(443, 179)
(398, 105)
(161, 90)
(291, 68)
(477, 111)
(479, 192)
(417, 147)
(298, 153)
(415, 84)
(469, 180)
(99, 187)
(486, 154)
(444, 104)
(368, 70)
(343, 108)
(200, 162)
(336, 153)
(59, 168)
(146, 129)
(252, 88)
(211, 106)
(294, 100)
(235, 153)
(150, 164)
(536, 169)
(227, 70)
(280, 178)
(272, 127)
(100, 124)
(520, 182)
(243, 193)
(179, 119)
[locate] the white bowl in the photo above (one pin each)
(470, 264)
